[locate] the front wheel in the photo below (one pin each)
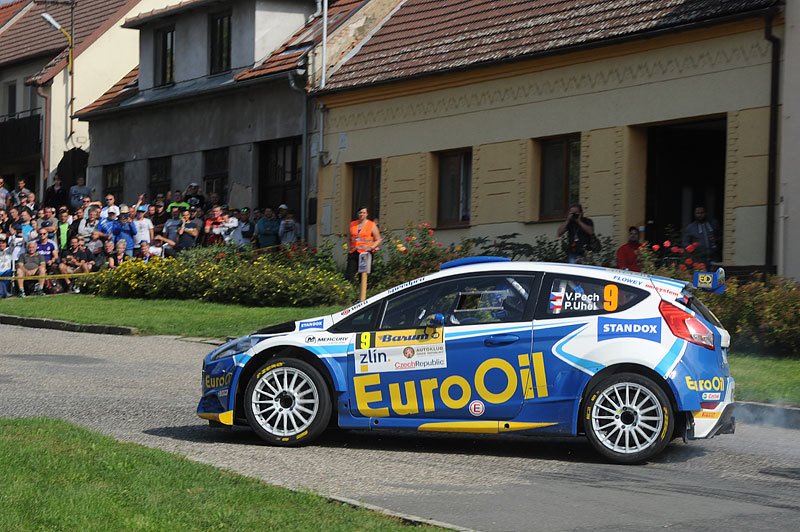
(287, 402)
(628, 418)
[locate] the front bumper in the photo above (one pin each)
(218, 385)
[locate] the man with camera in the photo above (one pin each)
(579, 231)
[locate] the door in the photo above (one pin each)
(473, 366)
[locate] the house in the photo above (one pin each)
(489, 118)
(220, 99)
(37, 132)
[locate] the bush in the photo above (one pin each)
(295, 276)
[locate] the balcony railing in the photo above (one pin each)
(20, 135)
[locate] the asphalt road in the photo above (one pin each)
(145, 389)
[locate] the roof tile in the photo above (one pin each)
(432, 36)
(7, 11)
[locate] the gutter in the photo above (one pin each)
(772, 153)
(591, 45)
(45, 138)
(183, 96)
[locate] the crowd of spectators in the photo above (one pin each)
(70, 233)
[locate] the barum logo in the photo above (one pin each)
(644, 329)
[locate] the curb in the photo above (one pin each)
(787, 417)
(59, 325)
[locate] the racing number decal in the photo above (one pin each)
(610, 297)
(366, 340)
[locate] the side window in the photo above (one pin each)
(361, 321)
(565, 296)
(500, 298)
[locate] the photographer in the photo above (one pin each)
(579, 230)
(289, 230)
(213, 227)
(187, 232)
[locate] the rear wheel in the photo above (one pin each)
(628, 418)
(287, 402)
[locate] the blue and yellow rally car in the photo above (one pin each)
(490, 346)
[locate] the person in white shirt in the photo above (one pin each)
(144, 228)
(6, 266)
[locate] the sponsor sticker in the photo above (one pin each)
(644, 329)
(711, 396)
(400, 358)
(700, 385)
(313, 324)
(314, 339)
(311, 339)
(477, 408)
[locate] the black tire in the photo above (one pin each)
(628, 418)
(295, 405)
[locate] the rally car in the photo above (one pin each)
(490, 346)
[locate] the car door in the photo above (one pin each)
(457, 348)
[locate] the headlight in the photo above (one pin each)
(233, 347)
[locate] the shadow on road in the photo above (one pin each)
(560, 449)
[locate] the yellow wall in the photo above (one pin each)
(610, 97)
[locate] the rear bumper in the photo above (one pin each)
(724, 423)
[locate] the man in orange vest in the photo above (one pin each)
(364, 236)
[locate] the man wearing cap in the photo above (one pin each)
(193, 197)
(246, 226)
(127, 229)
(144, 228)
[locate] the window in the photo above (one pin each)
(560, 176)
(455, 188)
(215, 178)
(220, 39)
(484, 299)
(568, 296)
(160, 179)
(113, 180)
(11, 98)
(362, 321)
(367, 187)
(165, 56)
(280, 168)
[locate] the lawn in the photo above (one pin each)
(57, 476)
(156, 316)
(766, 379)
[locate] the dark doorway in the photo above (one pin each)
(685, 168)
(280, 165)
(72, 165)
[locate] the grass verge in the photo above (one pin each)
(57, 476)
(158, 316)
(766, 379)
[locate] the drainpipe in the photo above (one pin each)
(772, 155)
(45, 139)
(324, 42)
(300, 71)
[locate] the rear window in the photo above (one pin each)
(565, 296)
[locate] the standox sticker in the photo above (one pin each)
(313, 324)
(645, 329)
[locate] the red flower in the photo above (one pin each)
(689, 262)
(656, 247)
(700, 265)
(683, 267)
(690, 248)
(675, 249)
(681, 250)
(667, 243)
(404, 250)
(430, 231)
(439, 244)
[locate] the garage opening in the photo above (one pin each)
(685, 169)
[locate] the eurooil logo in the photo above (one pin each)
(217, 382)
(645, 329)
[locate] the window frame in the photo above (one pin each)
(219, 42)
(464, 196)
(570, 196)
(373, 181)
(117, 173)
(164, 56)
(161, 184)
(543, 300)
(11, 99)
(215, 179)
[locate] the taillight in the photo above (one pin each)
(685, 326)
